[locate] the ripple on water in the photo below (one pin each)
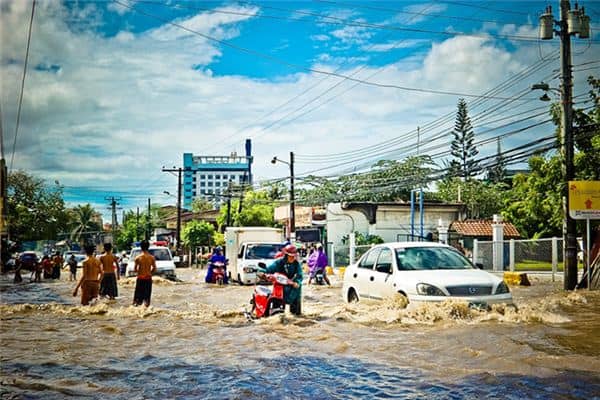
(294, 377)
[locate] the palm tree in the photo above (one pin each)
(83, 222)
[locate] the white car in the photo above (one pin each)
(422, 272)
(165, 263)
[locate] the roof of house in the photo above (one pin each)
(482, 228)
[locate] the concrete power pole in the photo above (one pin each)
(113, 207)
(178, 230)
(572, 22)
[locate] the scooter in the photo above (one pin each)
(218, 276)
(269, 301)
(319, 280)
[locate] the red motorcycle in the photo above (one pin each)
(218, 276)
(269, 301)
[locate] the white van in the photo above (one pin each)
(165, 263)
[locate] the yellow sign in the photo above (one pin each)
(584, 199)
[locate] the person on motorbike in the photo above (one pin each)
(317, 263)
(290, 267)
(217, 256)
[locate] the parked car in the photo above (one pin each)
(78, 256)
(422, 272)
(28, 260)
(165, 263)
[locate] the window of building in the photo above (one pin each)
(217, 183)
(209, 176)
(209, 191)
(224, 177)
(217, 176)
(202, 184)
(202, 176)
(209, 183)
(202, 191)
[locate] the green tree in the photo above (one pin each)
(482, 200)
(462, 148)
(257, 210)
(131, 230)
(535, 202)
(388, 180)
(34, 210)
(200, 205)
(497, 171)
(83, 224)
(198, 233)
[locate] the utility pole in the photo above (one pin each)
(149, 223)
(572, 22)
(113, 207)
(292, 200)
(137, 225)
(178, 231)
(229, 203)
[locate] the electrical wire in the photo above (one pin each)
(12, 157)
(300, 67)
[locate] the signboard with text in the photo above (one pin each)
(584, 199)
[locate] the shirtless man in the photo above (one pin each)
(145, 265)
(90, 279)
(110, 272)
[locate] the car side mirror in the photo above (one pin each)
(262, 265)
(384, 268)
(479, 265)
(176, 259)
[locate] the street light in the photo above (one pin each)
(292, 201)
(572, 22)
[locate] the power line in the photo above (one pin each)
(12, 157)
(300, 67)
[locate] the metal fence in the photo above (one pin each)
(520, 255)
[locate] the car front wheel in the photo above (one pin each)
(352, 296)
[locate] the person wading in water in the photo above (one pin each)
(90, 279)
(145, 265)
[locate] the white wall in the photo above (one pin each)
(391, 221)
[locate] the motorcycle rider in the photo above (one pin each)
(217, 256)
(317, 262)
(290, 267)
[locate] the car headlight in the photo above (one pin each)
(502, 288)
(428, 290)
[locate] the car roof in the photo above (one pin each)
(151, 248)
(399, 245)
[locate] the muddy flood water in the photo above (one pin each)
(195, 342)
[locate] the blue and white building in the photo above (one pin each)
(208, 177)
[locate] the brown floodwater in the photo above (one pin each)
(195, 342)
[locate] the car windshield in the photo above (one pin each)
(262, 251)
(430, 258)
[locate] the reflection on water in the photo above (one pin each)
(195, 342)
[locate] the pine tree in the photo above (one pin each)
(497, 171)
(462, 148)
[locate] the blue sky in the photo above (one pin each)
(117, 89)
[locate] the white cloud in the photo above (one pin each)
(122, 107)
(117, 8)
(396, 44)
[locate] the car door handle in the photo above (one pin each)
(372, 278)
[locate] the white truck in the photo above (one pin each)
(246, 247)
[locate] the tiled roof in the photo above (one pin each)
(482, 228)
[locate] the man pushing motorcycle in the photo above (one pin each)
(290, 267)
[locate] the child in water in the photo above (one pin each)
(90, 279)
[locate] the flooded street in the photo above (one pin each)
(195, 342)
